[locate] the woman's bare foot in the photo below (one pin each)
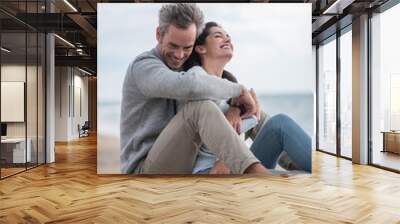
(257, 168)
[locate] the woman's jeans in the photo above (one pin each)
(281, 133)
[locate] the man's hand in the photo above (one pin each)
(220, 168)
(258, 110)
(233, 117)
(247, 101)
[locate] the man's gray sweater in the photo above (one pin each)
(148, 95)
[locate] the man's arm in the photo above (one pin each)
(154, 79)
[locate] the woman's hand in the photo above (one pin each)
(233, 117)
(220, 168)
(258, 110)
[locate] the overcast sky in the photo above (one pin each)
(272, 43)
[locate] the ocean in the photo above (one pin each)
(300, 107)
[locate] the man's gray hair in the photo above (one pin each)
(181, 15)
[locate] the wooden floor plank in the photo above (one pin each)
(70, 191)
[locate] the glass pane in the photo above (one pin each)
(41, 98)
(327, 96)
(13, 87)
(14, 5)
(7, 23)
(346, 94)
(32, 6)
(386, 89)
(31, 98)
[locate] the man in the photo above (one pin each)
(155, 138)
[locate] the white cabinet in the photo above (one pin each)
(18, 149)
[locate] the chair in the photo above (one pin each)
(84, 130)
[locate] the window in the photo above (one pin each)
(346, 94)
(327, 96)
(22, 76)
(385, 89)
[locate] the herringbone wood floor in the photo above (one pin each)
(70, 191)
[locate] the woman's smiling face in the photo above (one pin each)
(217, 44)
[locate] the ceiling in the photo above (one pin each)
(76, 22)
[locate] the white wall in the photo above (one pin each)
(16, 72)
(70, 83)
(33, 126)
(61, 103)
(80, 84)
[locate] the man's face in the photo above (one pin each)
(176, 45)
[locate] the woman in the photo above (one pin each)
(271, 136)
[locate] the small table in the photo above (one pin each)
(391, 141)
